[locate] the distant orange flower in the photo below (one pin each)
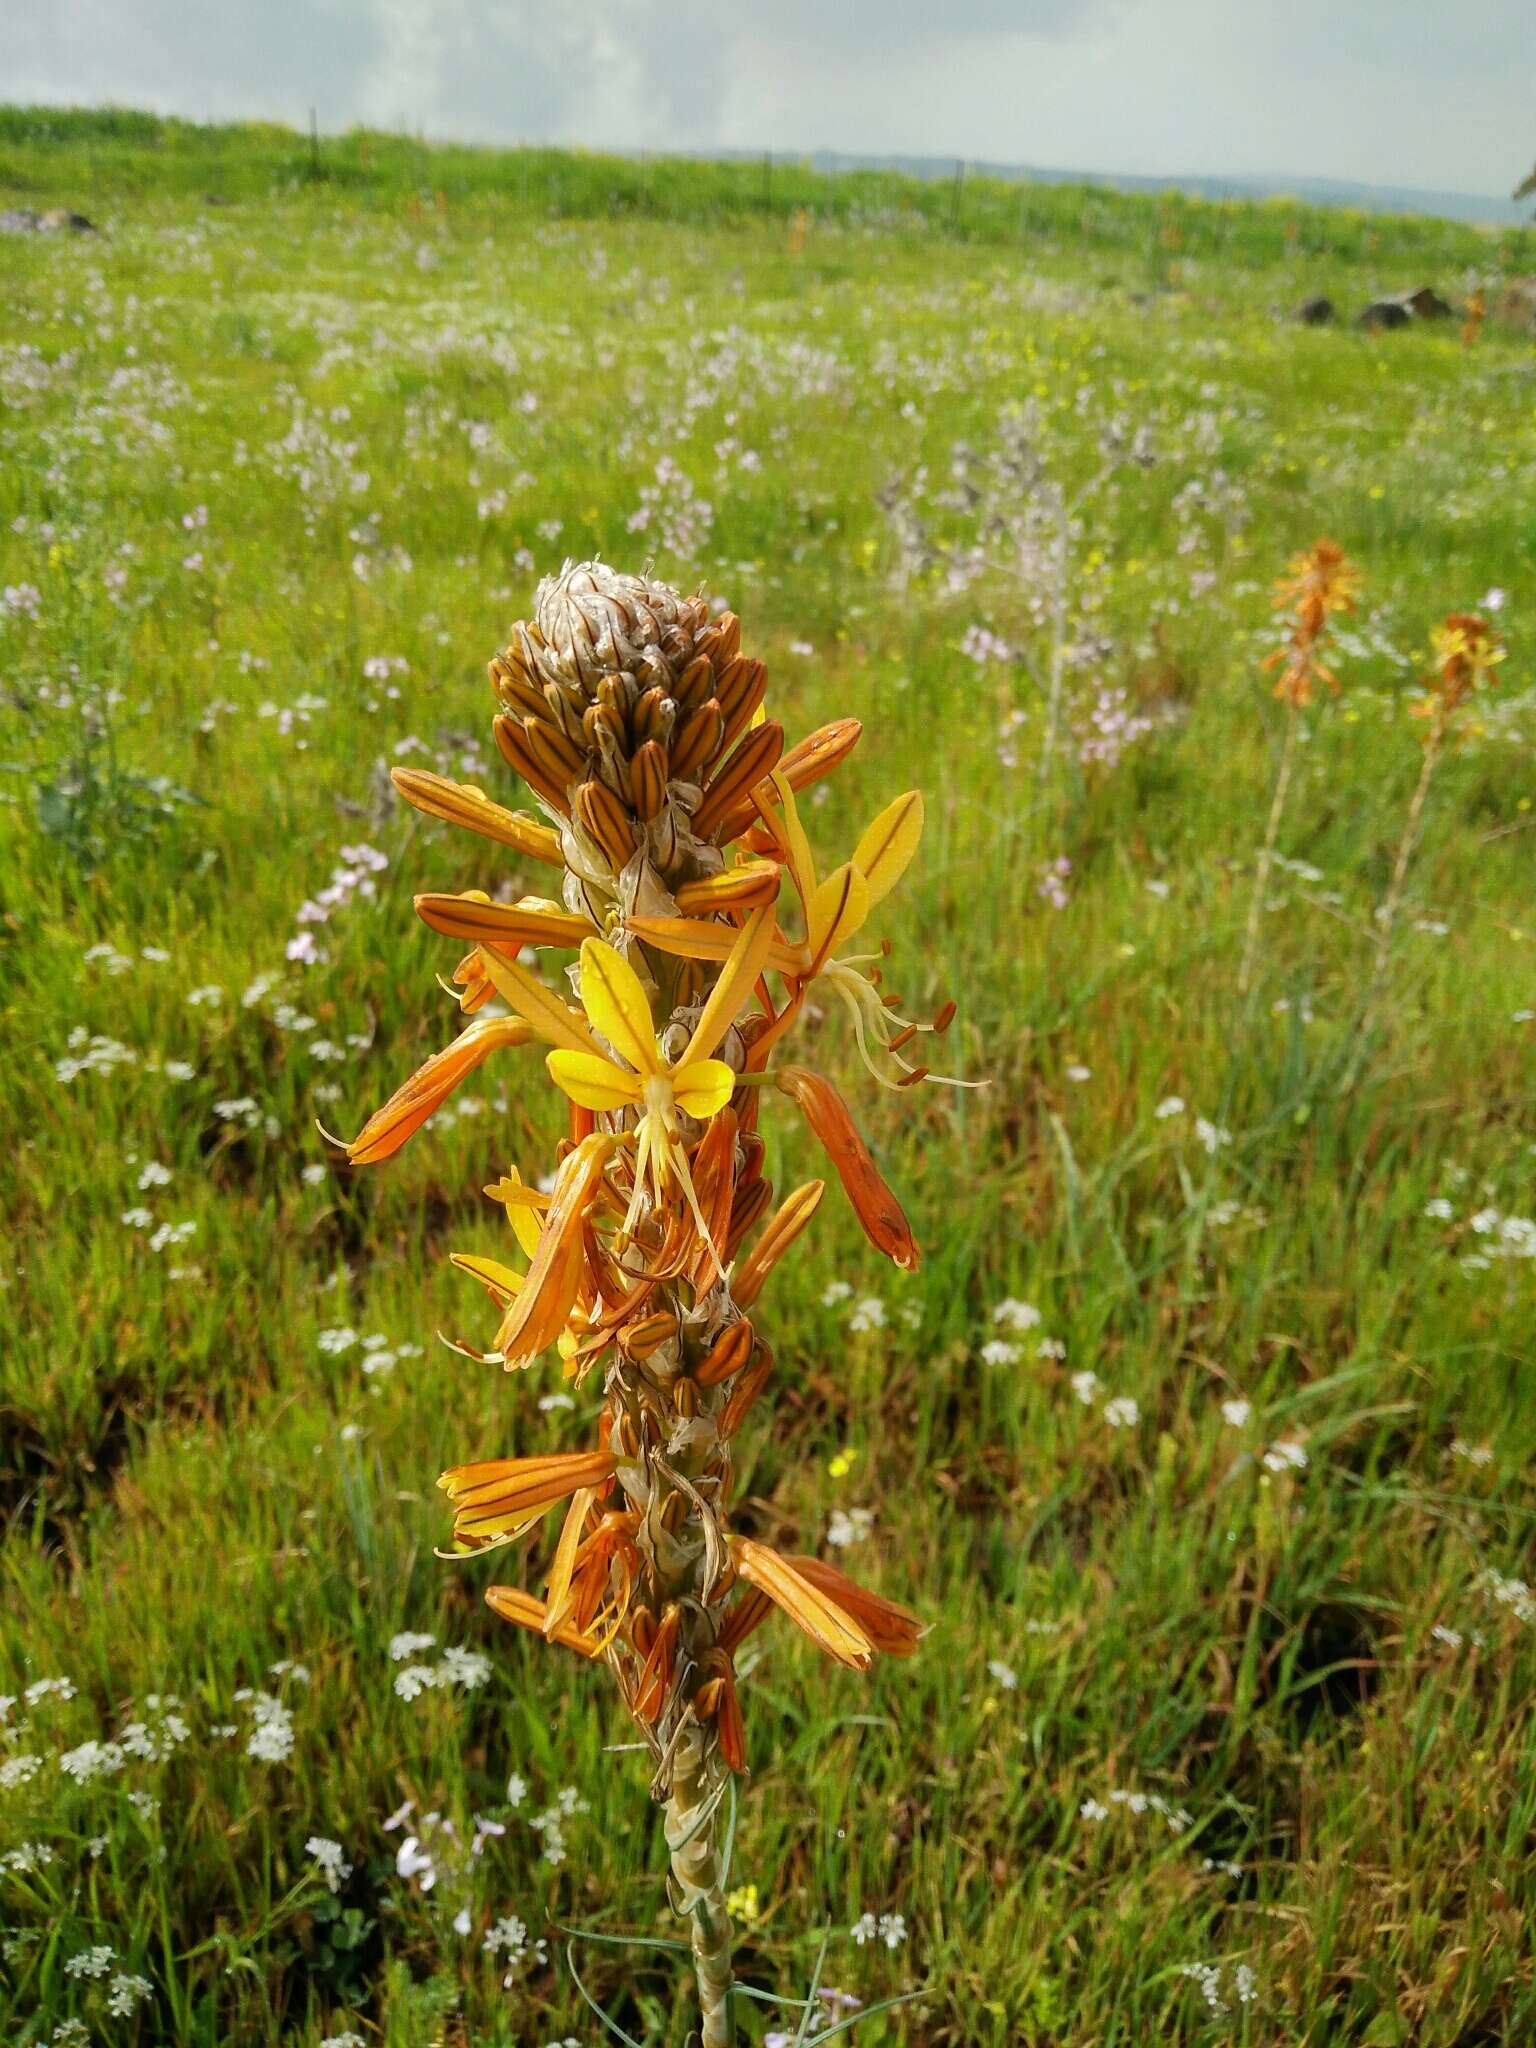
(1321, 582)
(1467, 652)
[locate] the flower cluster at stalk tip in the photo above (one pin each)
(669, 814)
(1321, 582)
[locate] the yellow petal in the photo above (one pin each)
(837, 909)
(525, 1208)
(884, 852)
(555, 1022)
(499, 1280)
(801, 863)
(690, 938)
(559, 1583)
(592, 1081)
(617, 1006)
(748, 957)
(702, 1088)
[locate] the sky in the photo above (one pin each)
(1417, 93)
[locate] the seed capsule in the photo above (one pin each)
(639, 1340)
(722, 641)
(514, 690)
(745, 1392)
(804, 763)
(549, 746)
(650, 718)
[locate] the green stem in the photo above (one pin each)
(1267, 853)
(1391, 903)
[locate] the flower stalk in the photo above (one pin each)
(1467, 653)
(700, 924)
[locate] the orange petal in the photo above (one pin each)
(430, 1086)
(514, 1605)
(460, 803)
(748, 1612)
(783, 1227)
(893, 1630)
(873, 1202)
(531, 922)
(499, 1496)
(553, 1280)
(806, 1605)
(739, 888)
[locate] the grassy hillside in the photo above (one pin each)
(1205, 1432)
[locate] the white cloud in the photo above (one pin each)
(1395, 91)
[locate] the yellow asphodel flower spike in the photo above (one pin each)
(637, 720)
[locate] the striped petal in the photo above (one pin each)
(691, 938)
(531, 922)
(746, 961)
(554, 1021)
(894, 1631)
(617, 1005)
(461, 803)
(876, 1207)
(838, 908)
(884, 853)
(521, 1608)
(828, 1627)
(499, 1281)
(431, 1085)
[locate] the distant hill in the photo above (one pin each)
(1463, 206)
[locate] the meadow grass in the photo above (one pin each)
(1232, 1662)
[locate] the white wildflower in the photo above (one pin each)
(1016, 1315)
(331, 1858)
